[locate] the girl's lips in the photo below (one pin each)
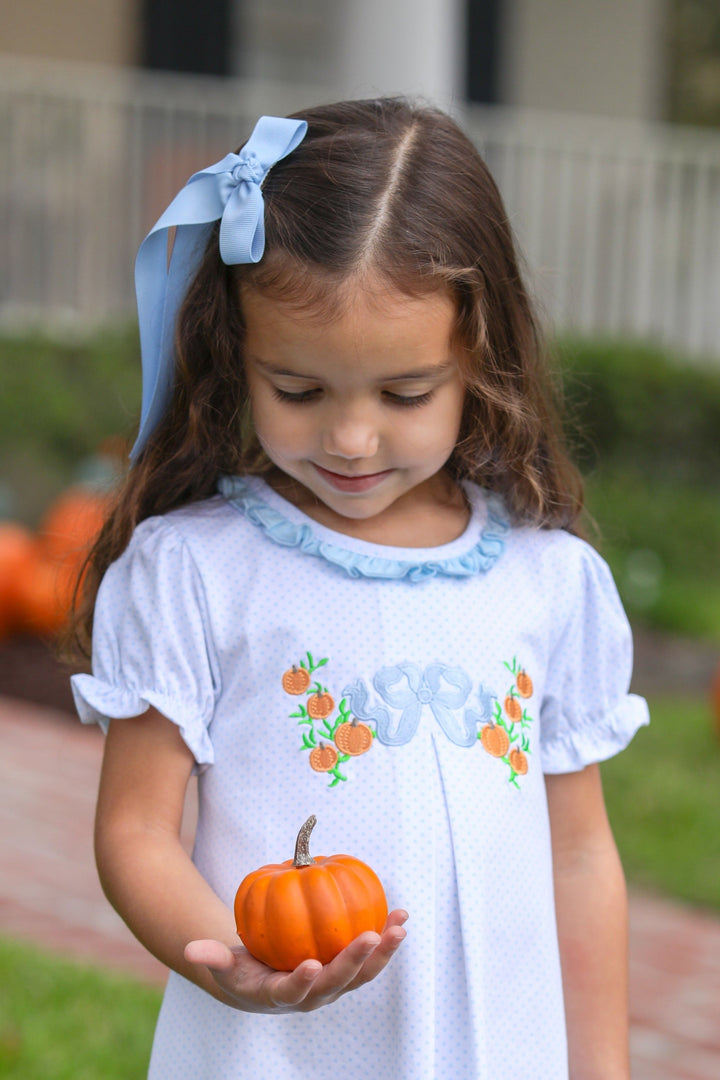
(352, 483)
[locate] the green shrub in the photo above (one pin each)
(638, 408)
(58, 402)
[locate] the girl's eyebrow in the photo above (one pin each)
(427, 372)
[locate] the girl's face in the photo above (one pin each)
(361, 411)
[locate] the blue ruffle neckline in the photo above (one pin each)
(478, 559)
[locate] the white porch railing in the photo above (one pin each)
(620, 223)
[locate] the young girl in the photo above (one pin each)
(344, 578)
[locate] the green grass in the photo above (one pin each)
(663, 798)
(63, 1021)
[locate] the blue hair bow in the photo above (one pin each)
(229, 191)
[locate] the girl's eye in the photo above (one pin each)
(408, 402)
(297, 398)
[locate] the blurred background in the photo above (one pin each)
(600, 121)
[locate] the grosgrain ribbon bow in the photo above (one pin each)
(230, 191)
(408, 689)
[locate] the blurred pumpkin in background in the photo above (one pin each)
(18, 555)
(66, 534)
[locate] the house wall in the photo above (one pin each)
(605, 57)
(101, 31)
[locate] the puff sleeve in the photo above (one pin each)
(151, 640)
(587, 714)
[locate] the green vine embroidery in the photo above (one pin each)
(504, 737)
(330, 742)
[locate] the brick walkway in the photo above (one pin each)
(49, 894)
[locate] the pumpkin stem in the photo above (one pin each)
(302, 846)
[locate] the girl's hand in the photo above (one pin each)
(251, 986)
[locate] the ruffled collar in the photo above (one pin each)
(474, 552)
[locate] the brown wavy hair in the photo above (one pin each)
(381, 188)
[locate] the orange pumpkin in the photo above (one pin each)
(307, 909)
(518, 761)
(715, 699)
(45, 596)
(320, 705)
(18, 555)
(495, 740)
(72, 523)
(513, 708)
(323, 757)
(353, 738)
(296, 680)
(524, 684)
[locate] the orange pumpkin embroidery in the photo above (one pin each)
(323, 758)
(353, 738)
(518, 762)
(296, 680)
(513, 708)
(495, 740)
(524, 684)
(320, 705)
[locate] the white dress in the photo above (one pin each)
(477, 667)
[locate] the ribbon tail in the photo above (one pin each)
(459, 732)
(242, 228)
(160, 292)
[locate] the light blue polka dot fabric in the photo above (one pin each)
(413, 700)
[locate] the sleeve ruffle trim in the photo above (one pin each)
(97, 702)
(597, 739)
(479, 559)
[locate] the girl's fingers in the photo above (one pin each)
(257, 988)
(358, 963)
(287, 991)
(213, 954)
(396, 918)
(340, 973)
(392, 938)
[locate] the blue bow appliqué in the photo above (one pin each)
(229, 191)
(407, 690)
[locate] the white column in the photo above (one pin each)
(412, 47)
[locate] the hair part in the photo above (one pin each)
(379, 193)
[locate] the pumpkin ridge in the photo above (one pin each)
(250, 906)
(328, 913)
(287, 914)
(372, 914)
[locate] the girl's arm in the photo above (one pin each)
(155, 887)
(591, 905)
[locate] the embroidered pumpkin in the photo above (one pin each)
(353, 738)
(518, 761)
(524, 684)
(323, 757)
(320, 705)
(296, 680)
(513, 708)
(307, 909)
(495, 740)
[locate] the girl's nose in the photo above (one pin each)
(350, 436)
